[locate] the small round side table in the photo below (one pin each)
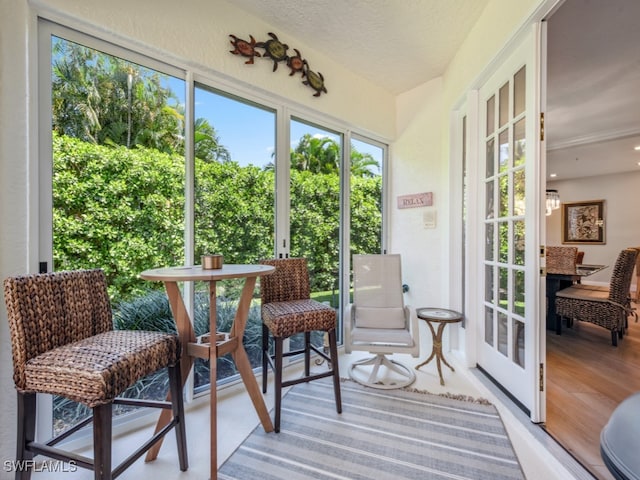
(442, 317)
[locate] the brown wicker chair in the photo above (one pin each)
(561, 258)
(606, 308)
(287, 309)
(63, 343)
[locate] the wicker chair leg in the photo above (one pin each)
(177, 407)
(333, 349)
(26, 434)
(265, 357)
(102, 416)
(307, 354)
(279, 346)
(614, 338)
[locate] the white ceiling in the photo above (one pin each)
(593, 89)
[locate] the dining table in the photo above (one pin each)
(214, 344)
(558, 279)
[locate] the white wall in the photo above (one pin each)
(14, 186)
(418, 166)
(620, 193)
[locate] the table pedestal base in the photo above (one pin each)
(437, 352)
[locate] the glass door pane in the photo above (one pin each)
(505, 307)
(234, 208)
(117, 186)
(315, 212)
(365, 199)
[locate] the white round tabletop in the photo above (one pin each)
(197, 273)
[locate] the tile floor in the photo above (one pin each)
(236, 419)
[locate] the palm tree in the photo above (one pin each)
(103, 99)
(74, 93)
(363, 164)
(207, 143)
(322, 155)
(316, 154)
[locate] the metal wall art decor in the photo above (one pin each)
(244, 48)
(276, 51)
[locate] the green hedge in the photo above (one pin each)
(122, 210)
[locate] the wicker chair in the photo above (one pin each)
(63, 343)
(287, 309)
(561, 258)
(606, 308)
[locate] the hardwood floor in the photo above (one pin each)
(586, 379)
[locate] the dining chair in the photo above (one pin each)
(287, 309)
(607, 308)
(63, 343)
(379, 322)
(561, 259)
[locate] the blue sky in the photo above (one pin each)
(248, 131)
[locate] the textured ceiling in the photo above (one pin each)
(396, 44)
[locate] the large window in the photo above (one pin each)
(150, 168)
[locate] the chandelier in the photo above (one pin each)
(552, 201)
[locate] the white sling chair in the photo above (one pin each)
(378, 322)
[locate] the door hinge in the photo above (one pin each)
(541, 126)
(542, 377)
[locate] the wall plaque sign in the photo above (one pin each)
(415, 200)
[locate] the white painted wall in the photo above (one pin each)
(620, 193)
(418, 166)
(14, 191)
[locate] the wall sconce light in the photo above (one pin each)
(552, 201)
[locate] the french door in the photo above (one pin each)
(508, 311)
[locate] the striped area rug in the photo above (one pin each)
(381, 434)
